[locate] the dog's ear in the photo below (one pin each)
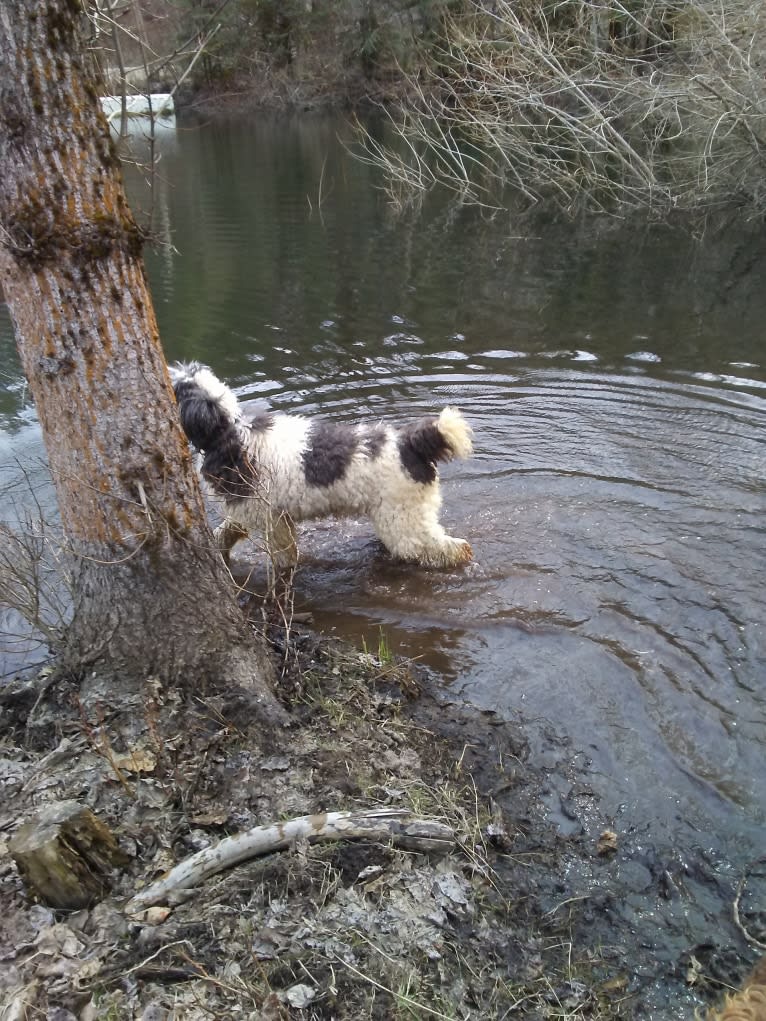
(228, 469)
(202, 419)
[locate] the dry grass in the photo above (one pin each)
(35, 583)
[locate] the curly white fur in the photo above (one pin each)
(274, 470)
(749, 1004)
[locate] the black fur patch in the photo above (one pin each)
(228, 469)
(226, 464)
(421, 445)
(328, 456)
(374, 439)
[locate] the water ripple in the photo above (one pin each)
(617, 521)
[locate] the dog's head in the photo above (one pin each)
(209, 414)
(201, 417)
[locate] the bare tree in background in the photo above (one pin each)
(132, 59)
(607, 104)
(152, 596)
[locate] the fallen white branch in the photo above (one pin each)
(394, 824)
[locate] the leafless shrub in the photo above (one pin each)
(611, 104)
(33, 587)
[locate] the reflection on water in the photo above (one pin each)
(615, 503)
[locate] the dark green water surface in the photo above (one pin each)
(616, 383)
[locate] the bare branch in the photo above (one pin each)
(392, 824)
(588, 104)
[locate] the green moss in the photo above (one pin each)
(40, 232)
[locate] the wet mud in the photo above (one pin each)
(542, 909)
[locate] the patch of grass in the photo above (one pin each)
(384, 655)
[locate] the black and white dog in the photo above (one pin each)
(274, 470)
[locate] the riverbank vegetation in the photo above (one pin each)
(616, 105)
(479, 927)
(612, 106)
(269, 53)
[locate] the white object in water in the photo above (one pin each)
(158, 104)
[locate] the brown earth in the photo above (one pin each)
(494, 928)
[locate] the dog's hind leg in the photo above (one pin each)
(413, 533)
(227, 535)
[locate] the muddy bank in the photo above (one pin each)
(278, 91)
(539, 909)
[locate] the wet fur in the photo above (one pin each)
(749, 1004)
(274, 470)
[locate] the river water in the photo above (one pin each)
(615, 379)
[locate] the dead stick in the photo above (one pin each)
(394, 824)
(738, 897)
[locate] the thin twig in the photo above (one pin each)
(737, 899)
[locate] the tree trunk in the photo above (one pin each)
(151, 595)
(66, 855)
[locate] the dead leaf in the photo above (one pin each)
(615, 985)
(138, 760)
(694, 971)
(210, 818)
(607, 842)
(300, 996)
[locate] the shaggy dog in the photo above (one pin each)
(274, 470)
(749, 1004)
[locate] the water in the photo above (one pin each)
(616, 383)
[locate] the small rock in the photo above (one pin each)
(454, 888)
(40, 917)
(106, 923)
(300, 996)
(156, 915)
(197, 840)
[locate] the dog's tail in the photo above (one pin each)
(456, 433)
(425, 443)
(213, 422)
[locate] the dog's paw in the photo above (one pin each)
(464, 551)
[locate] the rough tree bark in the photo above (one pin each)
(152, 596)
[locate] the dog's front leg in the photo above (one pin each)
(281, 542)
(227, 535)
(412, 532)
